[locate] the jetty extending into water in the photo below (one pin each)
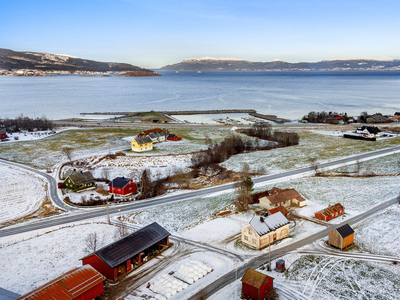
(181, 112)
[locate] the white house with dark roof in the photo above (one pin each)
(369, 131)
(263, 231)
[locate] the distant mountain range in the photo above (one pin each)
(13, 60)
(234, 64)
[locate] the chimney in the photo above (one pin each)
(261, 219)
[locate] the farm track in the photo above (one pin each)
(323, 249)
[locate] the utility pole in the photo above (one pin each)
(269, 250)
(108, 213)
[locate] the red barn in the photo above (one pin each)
(256, 285)
(122, 186)
(330, 212)
(83, 283)
(121, 256)
(173, 137)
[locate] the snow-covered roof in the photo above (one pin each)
(265, 225)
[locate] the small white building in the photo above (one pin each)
(263, 231)
(369, 131)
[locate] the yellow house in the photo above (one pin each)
(264, 231)
(141, 144)
(278, 197)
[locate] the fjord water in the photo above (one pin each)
(285, 94)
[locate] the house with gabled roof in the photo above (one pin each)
(278, 197)
(263, 231)
(122, 186)
(79, 181)
(332, 211)
(141, 144)
(83, 283)
(256, 285)
(341, 237)
(123, 255)
(156, 135)
(369, 131)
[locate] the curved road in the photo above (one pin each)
(79, 214)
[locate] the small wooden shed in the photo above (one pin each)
(256, 284)
(280, 265)
(342, 237)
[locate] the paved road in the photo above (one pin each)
(256, 262)
(81, 214)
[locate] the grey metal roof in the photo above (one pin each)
(131, 245)
(345, 230)
(141, 140)
(265, 225)
(119, 182)
(81, 177)
(8, 295)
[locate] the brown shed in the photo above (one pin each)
(342, 237)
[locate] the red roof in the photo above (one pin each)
(280, 208)
(68, 286)
(330, 210)
(147, 132)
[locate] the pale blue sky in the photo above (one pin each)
(155, 33)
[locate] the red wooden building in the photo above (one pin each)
(123, 255)
(122, 186)
(83, 283)
(173, 137)
(330, 212)
(256, 285)
(280, 265)
(280, 208)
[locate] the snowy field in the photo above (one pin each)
(31, 263)
(21, 194)
(312, 145)
(133, 166)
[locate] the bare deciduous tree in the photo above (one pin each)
(121, 230)
(244, 187)
(93, 242)
(313, 164)
(68, 152)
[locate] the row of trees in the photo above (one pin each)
(264, 131)
(325, 117)
(25, 123)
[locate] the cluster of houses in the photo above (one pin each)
(262, 231)
(144, 141)
(107, 263)
(80, 181)
(273, 226)
(257, 285)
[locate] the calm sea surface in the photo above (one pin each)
(286, 94)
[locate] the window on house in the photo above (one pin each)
(249, 231)
(254, 241)
(246, 238)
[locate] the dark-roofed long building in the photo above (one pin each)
(121, 256)
(342, 237)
